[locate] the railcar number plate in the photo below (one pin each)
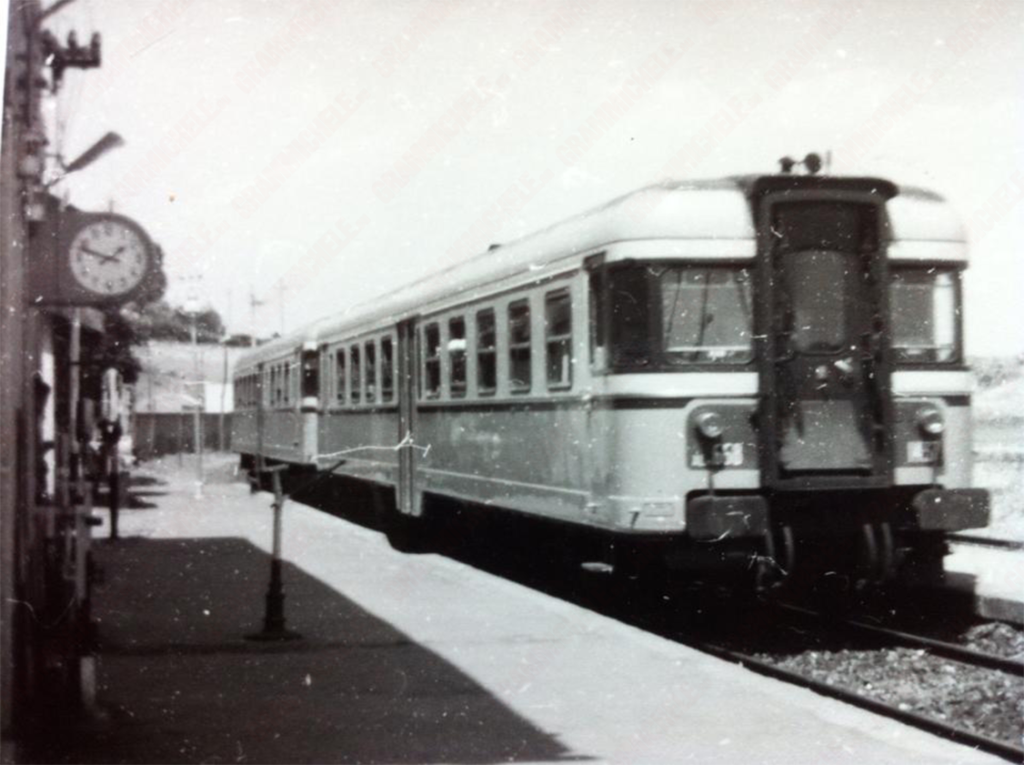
(728, 454)
(922, 452)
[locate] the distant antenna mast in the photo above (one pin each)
(253, 305)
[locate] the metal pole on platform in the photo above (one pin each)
(273, 619)
(197, 420)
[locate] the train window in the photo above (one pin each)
(630, 306)
(275, 387)
(457, 356)
(558, 337)
(339, 376)
(661, 316)
(519, 345)
(356, 393)
(706, 314)
(310, 374)
(370, 361)
(486, 358)
(598, 319)
(432, 360)
(924, 314)
(387, 367)
(814, 299)
(287, 387)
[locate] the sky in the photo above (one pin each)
(306, 156)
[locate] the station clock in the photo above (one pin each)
(91, 259)
(108, 256)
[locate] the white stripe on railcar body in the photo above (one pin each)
(679, 385)
(945, 382)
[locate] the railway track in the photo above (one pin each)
(764, 667)
(936, 647)
(941, 648)
(756, 660)
(977, 540)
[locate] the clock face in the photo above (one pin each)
(109, 257)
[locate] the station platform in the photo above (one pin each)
(993, 580)
(406, 659)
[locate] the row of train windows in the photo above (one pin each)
(356, 381)
(355, 373)
(278, 382)
(557, 341)
(246, 392)
(281, 384)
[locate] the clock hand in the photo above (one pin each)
(101, 255)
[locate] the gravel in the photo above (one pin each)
(984, 701)
(996, 638)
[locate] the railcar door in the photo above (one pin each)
(406, 368)
(827, 405)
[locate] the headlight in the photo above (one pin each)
(930, 422)
(709, 425)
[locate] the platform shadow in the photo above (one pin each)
(180, 683)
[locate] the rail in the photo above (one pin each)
(982, 541)
(937, 647)
(999, 748)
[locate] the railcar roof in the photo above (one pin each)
(706, 210)
(711, 210)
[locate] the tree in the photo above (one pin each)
(162, 321)
(115, 347)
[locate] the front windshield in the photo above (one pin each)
(924, 314)
(674, 315)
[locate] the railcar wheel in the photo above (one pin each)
(922, 564)
(404, 533)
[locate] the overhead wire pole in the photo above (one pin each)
(253, 305)
(224, 375)
(281, 289)
(192, 306)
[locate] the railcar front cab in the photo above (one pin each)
(860, 437)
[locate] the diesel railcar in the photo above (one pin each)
(757, 374)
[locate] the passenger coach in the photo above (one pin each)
(761, 374)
